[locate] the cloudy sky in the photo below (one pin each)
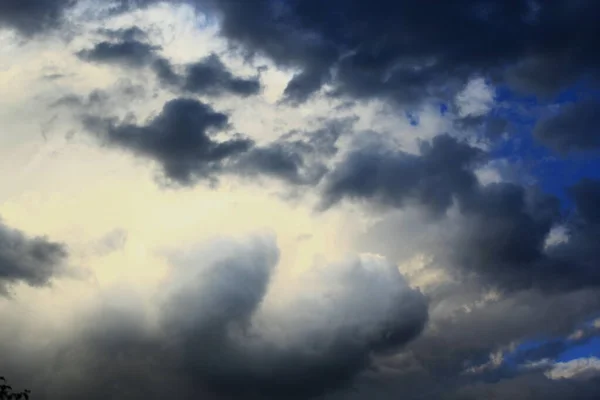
(300, 199)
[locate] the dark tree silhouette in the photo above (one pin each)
(7, 393)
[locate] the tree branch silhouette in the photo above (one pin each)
(7, 393)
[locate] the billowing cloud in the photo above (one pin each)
(220, 332)
(314, 341)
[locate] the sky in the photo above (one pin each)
(300, 199)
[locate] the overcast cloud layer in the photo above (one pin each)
(300, 199)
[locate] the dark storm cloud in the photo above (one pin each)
(461, 349)
(283, 160)
(409, 51)
(208, 76)
(497, 232)
(395, 178)
(30, 260)
(403, 50)
(29, 17)
(498, 235)
(211, 76)
(502, 234)
(131, 53)
(575, 127)
(165, 73)
(219, 337)
(495, 238)
(297, 157)
(303, 85)
(179, 139)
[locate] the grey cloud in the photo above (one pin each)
(502, 234)
(325, 337)
(179, 139)
(166, 73)
(211, 76)
(219, 335)
(496, 232)
(31, 17)
(303, 85)
(436, 365)
(131, 53)
(395, 178)
(280, 159)
(575, 127)
(488, 236)
(493, 239)
(34, 261)
(208, 76)
(395, 49)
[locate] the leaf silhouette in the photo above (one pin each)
(7, 393)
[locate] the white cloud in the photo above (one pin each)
(581, 368)
(476, 99)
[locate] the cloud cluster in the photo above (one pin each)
(407, 51)
(493, 279)
(181, 139)
(208, 76)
